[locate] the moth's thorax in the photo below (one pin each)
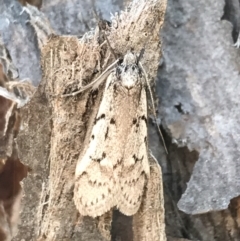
(130, 76)
(129, 72)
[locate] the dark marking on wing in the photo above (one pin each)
(114, 88)
(136, 159)
(98, 159)
(119, 161)
(106, 134)
(143, 117)
(134, 121)
(112, 121)
(102, 116)
(95, 159)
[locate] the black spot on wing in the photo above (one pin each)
(119, 161)
(96, 183)
(102, 116)
(79, 177)
(137, 159)
(144, 118)
(106, 134)
(134, 121)
(95, 159)
(112, 121)
(114, 88)
(100, 158)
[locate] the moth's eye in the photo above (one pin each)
(118, 72)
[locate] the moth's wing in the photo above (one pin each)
(135, 166)
(95, 185)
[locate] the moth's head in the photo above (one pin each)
(129, 59)
(130, 72)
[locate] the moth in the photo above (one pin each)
(112, 171)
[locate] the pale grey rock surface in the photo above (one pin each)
(20, 40)
(199, 88)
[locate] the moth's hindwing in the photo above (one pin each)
(112, 170)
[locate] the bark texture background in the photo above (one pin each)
(198, 92)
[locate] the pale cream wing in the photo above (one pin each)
(96, 187)
(135, 167)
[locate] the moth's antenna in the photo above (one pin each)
(154, 110)
(149, 87)
(97, 81)
(102, 26)
(140, 55)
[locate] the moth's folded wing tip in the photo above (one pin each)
(94, 198)
(131, 196)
